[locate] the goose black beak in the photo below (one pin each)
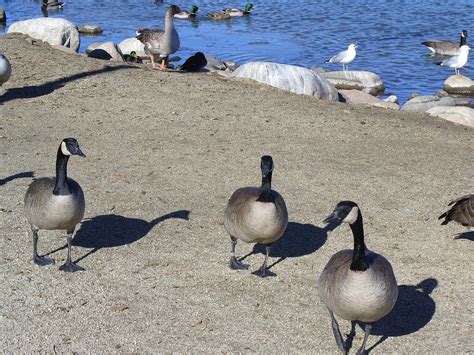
(332, 218)
(79, 152)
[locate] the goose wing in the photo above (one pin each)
(442, 47)
(150, 37)
(462, 211)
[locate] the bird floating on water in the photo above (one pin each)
(51, 5)
(446, 47)
(159, 42)
(185, 14)
(457, 61)
(344, 57)
(233, 12)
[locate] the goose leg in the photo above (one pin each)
(164, 64)
(153, 64)
(337, 334)
(263, 271)
(39, 260)
(368, 328)
(69, 266)
(234, 264)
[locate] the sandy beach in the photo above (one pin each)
(164, 153)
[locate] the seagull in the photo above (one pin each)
(5, 69)
(344, 57)
(457, 61)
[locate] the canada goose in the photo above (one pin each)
(56, 203)
(185, 14)
(462, 211)
(233, 12)
(457, 61)
(5, 69)
(446, 47)
(344, 57)
(256, 215)
(159, 42)
(356, 285)
(51, 5)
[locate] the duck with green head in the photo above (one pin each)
(51, 5)
(185, 14)
(237, 12)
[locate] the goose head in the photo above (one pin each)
(344, 212)
(173, 9)
(70, 146)
(266, 165)
(464, 33)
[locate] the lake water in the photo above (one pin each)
(301, 32)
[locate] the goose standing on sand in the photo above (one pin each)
(185, 14)
(233, 12)
(446, 47)
(56, 203)
(344, 57)
(462, 212)
(356, 285)
(5, 69)
(457, 61)
(256, 215)
(159, 42)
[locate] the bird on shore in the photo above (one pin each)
(256, 215)
(457, 61)
(344, 57)
(193, 64)
(358, 284)
(462, 212)
(185, 14)
(56, 203)
(51, 5)
(5, 69)
(446, 47)
(159, 42)
(234, 12)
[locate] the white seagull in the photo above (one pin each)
(5, 69)
(344, 57)
(458, 61)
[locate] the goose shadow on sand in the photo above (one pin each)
(466, 235)
(108, 231)
(298, 240)
(414, 310)
(26, 174)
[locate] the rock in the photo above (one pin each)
(214, 63)
(358, 97)
(93, 46)
(392, 98)
(459, 85)
(55, 31)
(355, 80)
(129, 45)
(288, 77)
(441, 93)
(64, 49)
(461, 115)
(230, 65)
(424, 103)
(413, 95)
(107, 51)
(3, 16)
(90, 29)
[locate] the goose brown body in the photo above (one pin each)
(462, 211)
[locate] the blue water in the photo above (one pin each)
(301, 32)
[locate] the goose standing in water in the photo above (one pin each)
(462, 212)
(356, 285)
(446, 47)
(56, 203)
(344, 57)
(5, 69)
(457, 61)
(159, 42)
(256, 215)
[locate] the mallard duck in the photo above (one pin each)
(56, 203)
(344, 57)
(462, 211)
(218, 15)
(233, 12)
(446, 47)
(159, 42)
(185, 14)
(356, 284)
(132, 57)
(51, 5)
(5, 69)
(458, 61)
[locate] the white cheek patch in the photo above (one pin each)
(64, 149)
(352, 216)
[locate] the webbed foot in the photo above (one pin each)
(43, 260)
(70, 267)
(264, 272)
(234, 264)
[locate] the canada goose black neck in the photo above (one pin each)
(61, 188)
(359, 261)
(463, 39)
(266, 194)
